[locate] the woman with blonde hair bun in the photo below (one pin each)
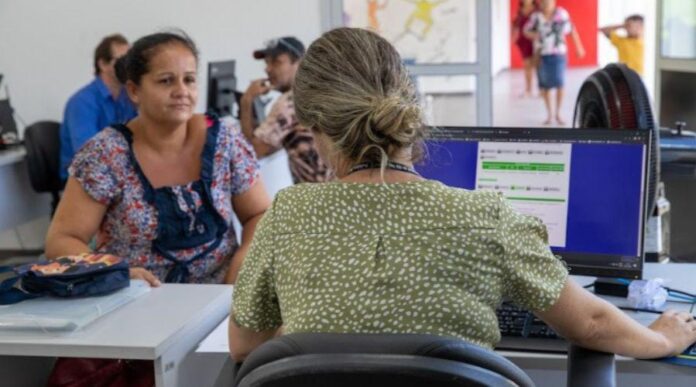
(382, 250)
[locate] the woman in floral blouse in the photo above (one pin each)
(162, 190)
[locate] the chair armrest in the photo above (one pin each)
(588, 368)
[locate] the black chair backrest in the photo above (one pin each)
(42, 141)
(336, 360)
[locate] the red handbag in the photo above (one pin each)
(84, 372)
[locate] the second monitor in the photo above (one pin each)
(222, 86)
(587, 186)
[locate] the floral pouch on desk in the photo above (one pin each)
(70, 276)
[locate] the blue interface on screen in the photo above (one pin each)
(587, 186)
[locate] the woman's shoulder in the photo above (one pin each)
(228, 132)
(562, 14)
(102, 158)
(423, 193)
(108, 141)
(300, 193)
(481, 202)
(228, 126)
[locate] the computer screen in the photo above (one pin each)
(222, 84)
(678, 92)
(588, 186)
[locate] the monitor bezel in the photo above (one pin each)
(642, 136)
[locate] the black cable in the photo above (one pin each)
(679, 292)
(630, 309)
(640, 310)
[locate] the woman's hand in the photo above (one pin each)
(593, 323)
(580, 51)
(142, 274)
(678, 329)
(533, 36)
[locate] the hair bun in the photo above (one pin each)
(367, 107)
(396, 120)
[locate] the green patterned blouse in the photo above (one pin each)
(415, 257)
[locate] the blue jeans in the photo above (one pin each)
(551, 71)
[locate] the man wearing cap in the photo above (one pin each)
(280, 129)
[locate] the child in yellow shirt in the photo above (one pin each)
(631, 46)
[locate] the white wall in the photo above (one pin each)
(46, 46)
(500, 37)
(614, 12)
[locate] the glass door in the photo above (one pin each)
(675, 79)
(446, 45)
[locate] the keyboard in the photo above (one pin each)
(691, 351)
(522, 330)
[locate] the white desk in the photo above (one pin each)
(547, 369)
(19, 203)
(12, 155)
(164, 325)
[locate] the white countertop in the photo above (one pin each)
(12, 155)
(142, 329)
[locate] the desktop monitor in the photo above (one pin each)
(222, 85)
(677, 96)
(587, 186)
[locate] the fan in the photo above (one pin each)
(615, 98)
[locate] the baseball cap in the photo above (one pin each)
(285, 45)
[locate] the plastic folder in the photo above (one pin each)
(50, 315)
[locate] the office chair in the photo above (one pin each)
(403, 360)
(42, 141)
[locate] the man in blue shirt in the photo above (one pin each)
(102, 102)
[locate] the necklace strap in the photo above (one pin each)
(390, 165)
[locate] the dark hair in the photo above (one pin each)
(535, 3)
(636, 18)
(288, 45)
(120, 69)
(137, 60)
(103, 50)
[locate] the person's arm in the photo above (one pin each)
(535, 279)
(579, 48)
(256, 315)
(75, 222)
(246, 116)
(609, 29)
(530, 28)
(515, 28)
(593, 323)
(249, 208)
(243, 341)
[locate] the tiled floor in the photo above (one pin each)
(459, 109)
(511, 110)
